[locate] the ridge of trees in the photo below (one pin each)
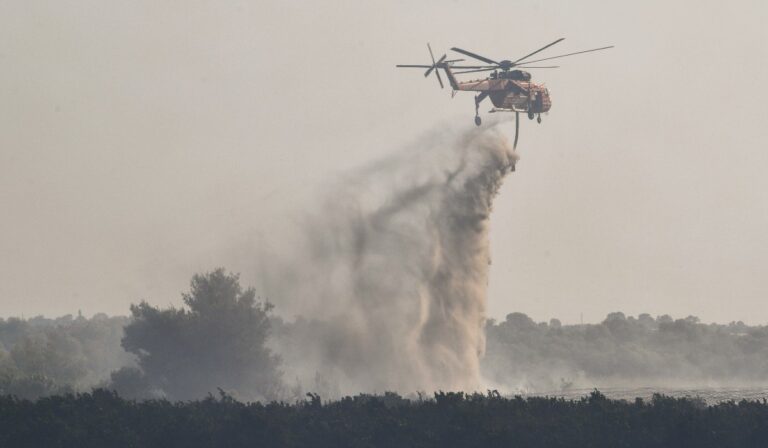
(624, 350)
(221, 337)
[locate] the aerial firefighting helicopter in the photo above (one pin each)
(509, 90)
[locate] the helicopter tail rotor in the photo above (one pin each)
(432, 68)
(435, 65)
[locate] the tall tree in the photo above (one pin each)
(217, 341)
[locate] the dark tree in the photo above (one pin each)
(216, 341)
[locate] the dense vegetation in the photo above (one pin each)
(624, 351)
(217, 341)
(101, 418)
(220, 340)
(42, 356)
(223, 337)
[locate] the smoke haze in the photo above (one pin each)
(623, 352)
(382, 288)
(391, 279)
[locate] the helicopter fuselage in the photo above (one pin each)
(507, 90)
(519, 96)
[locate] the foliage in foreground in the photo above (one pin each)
(102, 418)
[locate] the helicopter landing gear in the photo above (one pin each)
(478, 121)
(530, 115)
(538, 119)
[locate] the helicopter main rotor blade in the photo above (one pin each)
(465, 67)
(412, 66)
(570, 54)
(538, 51)
(488, 69)
(475, 56)
(478, 70)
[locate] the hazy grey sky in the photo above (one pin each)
(143, 141)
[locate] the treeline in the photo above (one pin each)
(217, 339)
(624, 351)
(102, 418)
(40, 356)
(224, 337)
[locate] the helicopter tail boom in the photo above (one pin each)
(451, 79)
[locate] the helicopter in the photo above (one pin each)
(509, 88)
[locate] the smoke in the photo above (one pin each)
(391, 279)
